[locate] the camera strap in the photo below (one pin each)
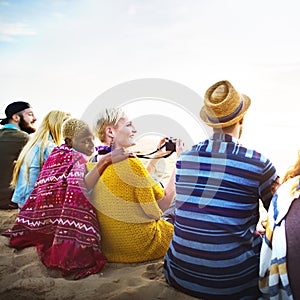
(105, 149)
(147, 156)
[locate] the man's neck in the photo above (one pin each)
(16, 124)
(232, 130)
(11, 126)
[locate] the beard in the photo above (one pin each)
(25, 126)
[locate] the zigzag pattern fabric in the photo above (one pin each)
(59, 219)
(274, 281)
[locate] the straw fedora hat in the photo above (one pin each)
(223, 105)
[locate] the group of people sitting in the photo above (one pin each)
(81, 210)
(61, 199)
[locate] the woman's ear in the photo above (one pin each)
(69, 142)
(109, 132)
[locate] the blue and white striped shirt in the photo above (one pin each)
(215, 250)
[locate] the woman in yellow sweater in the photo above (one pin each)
(128, 202)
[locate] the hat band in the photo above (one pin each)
(229, 117)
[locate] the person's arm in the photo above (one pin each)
(267, 185)
(113, 157)
(166, 201)
(170, 190)
(152, 161)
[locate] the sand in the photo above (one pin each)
(23, 276)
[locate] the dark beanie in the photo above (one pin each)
(12, 109)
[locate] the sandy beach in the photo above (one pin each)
(23, 276)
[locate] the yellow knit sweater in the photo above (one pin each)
(129, 216)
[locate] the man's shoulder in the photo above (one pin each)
(234, 150)
(22, 134)
(253, 154)
(12, 131)
(195, 148)
(13, 135)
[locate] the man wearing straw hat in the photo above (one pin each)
(214, 252)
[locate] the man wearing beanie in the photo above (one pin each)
(214, 252)
(14, 134)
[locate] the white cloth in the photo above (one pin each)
(273, 273)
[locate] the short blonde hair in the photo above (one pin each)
(108, 117)
(73, 127)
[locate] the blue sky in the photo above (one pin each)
(63, 54)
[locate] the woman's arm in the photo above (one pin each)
(166, 201)
(153, 162)
(170, 190)
(113, 157)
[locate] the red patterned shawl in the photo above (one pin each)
(59, 219)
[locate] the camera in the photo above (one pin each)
(171, 144)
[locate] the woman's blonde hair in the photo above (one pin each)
(292, 172)
(109, 117)
(51, 124)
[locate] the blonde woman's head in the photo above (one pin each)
(52, 123)
(109, 117)
(48, 132)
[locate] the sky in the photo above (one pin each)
(64, 54)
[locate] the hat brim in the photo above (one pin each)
(205, 119)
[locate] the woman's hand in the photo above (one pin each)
(107, 159)
(161, 152)
(161, 142)
(119, 154)
(179, 146)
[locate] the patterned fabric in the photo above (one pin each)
(130, 219)
(214, 252)
(273, 281)
(59, 219)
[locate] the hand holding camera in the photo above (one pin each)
(170, 144)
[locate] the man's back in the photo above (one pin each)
(214, 250)
(11, 143)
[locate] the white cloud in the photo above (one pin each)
(10, 30)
